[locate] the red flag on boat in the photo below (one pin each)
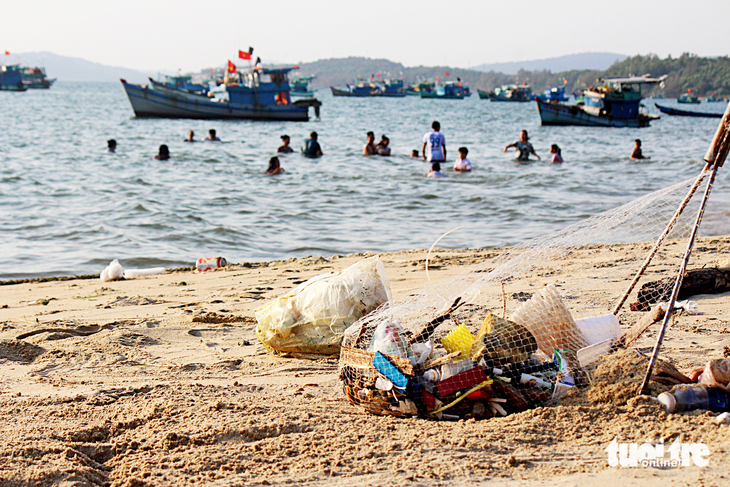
(689, 92)
(231, 67)
(244, 55)
(447, 73)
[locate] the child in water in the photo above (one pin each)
(274, 167)
(555, 151)
(435, 171)
(462, 164)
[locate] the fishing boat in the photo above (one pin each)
(519, 93)
(262, 94)
(615, 103)
(35, 78)
(11, 78)
(448, 90)
(485, 95)
(688, 98)
(361, 88)
(685, 113)
(417, 88)
(300, 86)
(556, 95)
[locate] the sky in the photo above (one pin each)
(191, 35)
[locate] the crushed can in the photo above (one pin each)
(207, 263)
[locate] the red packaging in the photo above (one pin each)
(207, 263)
(462, 380)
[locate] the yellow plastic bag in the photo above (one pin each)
(460, 338)
(310, 321)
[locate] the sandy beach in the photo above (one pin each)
(160, 380)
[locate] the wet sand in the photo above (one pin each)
(160, 380)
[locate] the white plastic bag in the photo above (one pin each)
(310, 321)
(113, 272)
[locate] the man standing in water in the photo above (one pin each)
(369, 148)
(434, 145)
(311, 147)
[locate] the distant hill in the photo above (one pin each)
(587, 60)
(700, 74)
(67, 68)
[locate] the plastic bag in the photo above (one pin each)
(310, 321)
(113, 272)
(717, 374)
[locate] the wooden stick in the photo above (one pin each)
(720, 145)
(644, 389)
(661, 238)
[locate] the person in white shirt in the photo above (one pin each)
(434, 145)
(435, 171)
(462, 164)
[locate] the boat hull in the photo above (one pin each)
(339, 92)
(559, 114)
(685, 113)
(172, 103)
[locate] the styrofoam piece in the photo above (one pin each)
(591, 353)
(596, 329)
(129, 273)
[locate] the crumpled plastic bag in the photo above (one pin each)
(717, 374)
(113, 272)
(310, 321)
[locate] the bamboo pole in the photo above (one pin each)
(715, 156)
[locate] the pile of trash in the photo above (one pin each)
(509, 365)
(309, 322)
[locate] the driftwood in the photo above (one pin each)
(641, 326)
(696, 281)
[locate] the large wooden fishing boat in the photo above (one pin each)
(11, 78)
(262, 94)
(35, 78)
(615, 103)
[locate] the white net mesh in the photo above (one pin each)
(448, 351)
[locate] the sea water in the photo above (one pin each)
(67, 207)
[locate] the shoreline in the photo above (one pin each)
(160, 380)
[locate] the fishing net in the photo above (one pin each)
(518, 330)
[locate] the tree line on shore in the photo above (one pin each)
(703, 75)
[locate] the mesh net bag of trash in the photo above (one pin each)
(511, 333)
(309, 321)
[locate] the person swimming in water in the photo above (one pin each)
(524, 148)
(435, 171)
(274, 167)
(284, 147)
(311, 147)
(383, 147)
(637, 154)
(462, 164)
(163, 154)
(190, 137)
(369, 148)
(556, 152)
(212, 137)
(111, 145)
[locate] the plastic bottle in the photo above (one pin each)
(689, 398)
